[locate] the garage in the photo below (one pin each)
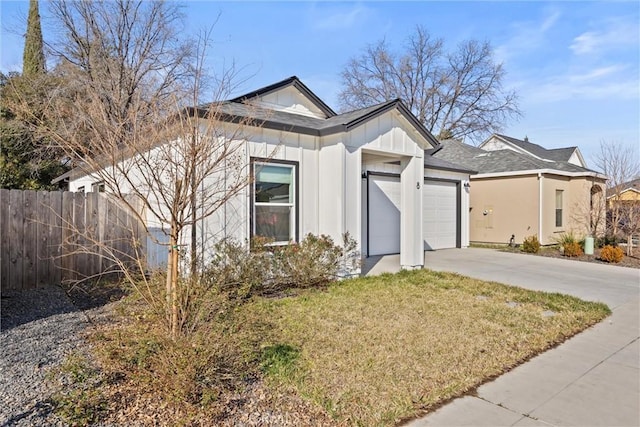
(383, 214)
(441, 214)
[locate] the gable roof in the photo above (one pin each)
(235, 111)
(633, 185)
(291, 81)
(555, 154)
(504, 161)
(240, 109)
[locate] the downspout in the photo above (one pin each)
(540, 178)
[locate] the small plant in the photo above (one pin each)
(566, 238)
(611, 254)
(573, 249)
(531, 244)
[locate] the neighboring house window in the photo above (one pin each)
(559, 208)
(97, 187)
(81, 189)
(274, 207)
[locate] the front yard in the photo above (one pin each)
(367, 351)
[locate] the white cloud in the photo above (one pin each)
(526, 36)
(577, 87)
(595, 74)
(338, 18)
(616, 33)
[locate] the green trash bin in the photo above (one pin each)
(588, 246)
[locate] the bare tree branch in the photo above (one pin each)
(455, 95)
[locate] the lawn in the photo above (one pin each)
(377, 350)
(366, 351)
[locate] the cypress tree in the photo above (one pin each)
(33, 57)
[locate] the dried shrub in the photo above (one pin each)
(269, 269)
(531, 244)
(573, 249)
(611, 254)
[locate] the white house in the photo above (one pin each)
(368, 172)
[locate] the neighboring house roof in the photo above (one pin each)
(556, 154)
(503, 161)
(633, 185)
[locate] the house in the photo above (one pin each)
(628, 192)
(523, 189)
(367, 172)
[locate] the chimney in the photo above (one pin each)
(526, 138)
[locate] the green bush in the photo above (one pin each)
(531, 244)
(607, 240)
(572, 249)
(611, 254)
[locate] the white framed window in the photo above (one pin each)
(559, 208)
(274, 212)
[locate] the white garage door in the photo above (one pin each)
(439, 215)
(384, 215)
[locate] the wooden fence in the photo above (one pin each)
(50, 237)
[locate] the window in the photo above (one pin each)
(274, 207)
(559, 208)
(97, 187)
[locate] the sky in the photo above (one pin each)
(574, 64)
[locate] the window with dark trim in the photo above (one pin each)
(274, 203)
(97, 187)
(559, 208)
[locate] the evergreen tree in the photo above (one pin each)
(33, 57)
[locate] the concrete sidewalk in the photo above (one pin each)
(592, 379)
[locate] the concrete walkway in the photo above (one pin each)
(592, 379)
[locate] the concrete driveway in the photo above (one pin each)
(592, 379)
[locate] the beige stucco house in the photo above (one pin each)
(523, 189)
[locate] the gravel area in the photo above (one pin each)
(39, 327)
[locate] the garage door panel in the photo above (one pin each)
(384, 215)
(440, 213)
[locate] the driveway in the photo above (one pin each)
(592, 379)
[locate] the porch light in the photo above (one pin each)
(467, 184)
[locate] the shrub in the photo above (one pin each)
(573, 249)
(607, 240)
(531, 244)
(566, 238)
(611, 254)
(269, 269)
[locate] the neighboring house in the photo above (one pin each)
(628, 192)
(522, 189)
(365, 172)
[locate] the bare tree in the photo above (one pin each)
(620, 163)
(127, 113)
(456, 94)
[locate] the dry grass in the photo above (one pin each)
(374, 351)
(368, 351)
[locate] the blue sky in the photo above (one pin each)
(575, 65)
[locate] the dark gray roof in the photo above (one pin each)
(235, 111)
(557, 154)
(291, 81)
(500, 160)
(432, 162)
(629, 185)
